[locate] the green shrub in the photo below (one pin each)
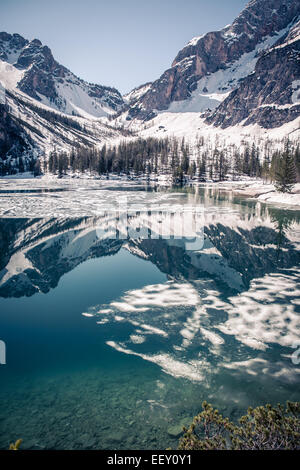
(262, 428)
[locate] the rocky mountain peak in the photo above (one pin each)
(258, 26)
(10, 46)
(34, 53)
(264, 17)
(44, 79)
(270, 96)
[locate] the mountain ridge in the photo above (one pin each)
(262, 98)
(41, 77)
(244, 76)
(257, 28)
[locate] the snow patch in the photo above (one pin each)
(213, 88)
(195, 40)
(9, 75)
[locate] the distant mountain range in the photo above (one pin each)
(245, 74)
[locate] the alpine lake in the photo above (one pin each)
(114, 343)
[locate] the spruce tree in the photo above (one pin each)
(286, 175)
(265, 171)
(246, 162)
(202, 168)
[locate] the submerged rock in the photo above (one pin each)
(175, 431)
(117, 436)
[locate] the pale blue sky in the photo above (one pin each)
(121, 43)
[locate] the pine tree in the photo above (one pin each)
(202, 168)
(265, 171)
(286, 174)
(222, 166)
(237, 164)
(246, 162)
(192, 170)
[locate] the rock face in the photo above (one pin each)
(271, 95)
(259, 26)
(44, 79)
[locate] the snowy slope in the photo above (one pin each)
(134, 95)
(212, 66)
(213, 88)
(270, 95)
(35, 130)
(30, 67)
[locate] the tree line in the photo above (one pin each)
(151, 157)
(175, 157)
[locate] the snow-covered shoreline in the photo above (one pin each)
(264, 192)
(245, 187)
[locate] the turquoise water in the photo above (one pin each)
(115, 344)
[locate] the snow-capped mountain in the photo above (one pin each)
(219, 66)
(30, 129)
(30, 67)
(44, 106)
(270, 95)
(245, 76)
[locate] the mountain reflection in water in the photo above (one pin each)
(239, 293)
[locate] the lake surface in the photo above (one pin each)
(114, 343)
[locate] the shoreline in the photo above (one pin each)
(245, 187)
(263, 192)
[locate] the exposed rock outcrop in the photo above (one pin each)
(44, 79)
(255, 29)
(271, 95)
